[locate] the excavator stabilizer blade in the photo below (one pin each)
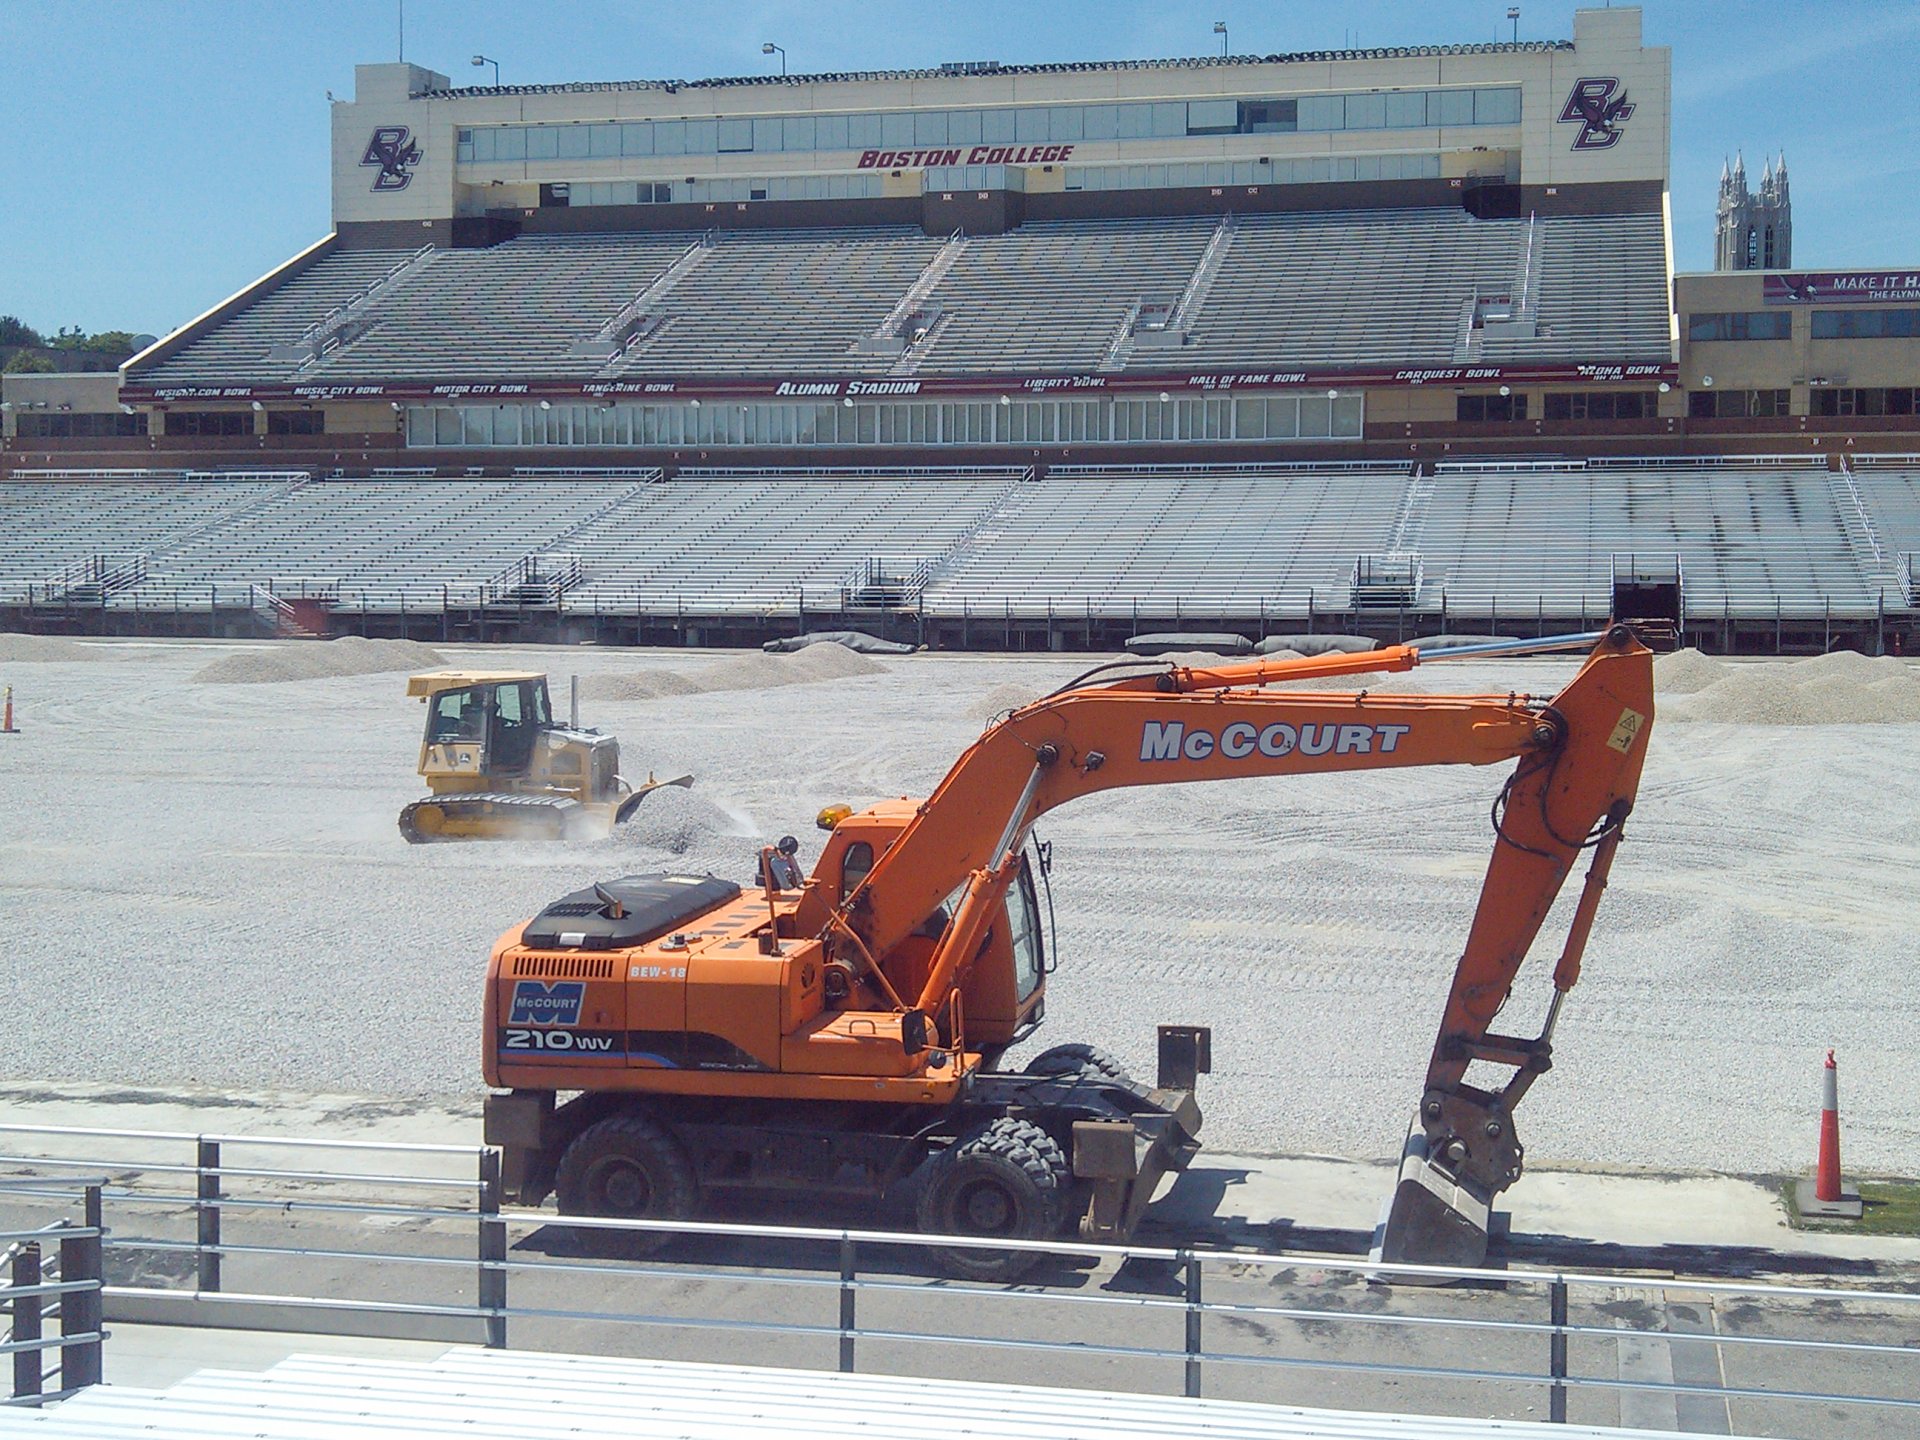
(1434, 1218)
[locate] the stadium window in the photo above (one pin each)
(1269, 117)
(1316, 417)
(1847, 402)
(574, 141)
(1349, 416)
(510, 143)
(1066, 122)
(543, 143)
(463, 145)
(896, 131)
(1406, 110)
(1600, 405)
(1737, 404)
(797, 132)
(1496, 107)
(1283, 417)
(66, 426)
(296, 422)
(1864, 324)
(863, 132)
(735, 136)
(209, 422)
(1321, 112)
(1740, 325)
(1450, 107)
(670, 137)
(1101, 122)
(703, 137)
(1366, 112)
(603, 142)
(1474, 409)
(636, 138)
(930, 127)
(1213, 117)
(830, 132)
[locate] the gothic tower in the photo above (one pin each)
(1755, 229)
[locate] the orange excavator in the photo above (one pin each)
(847, 1036)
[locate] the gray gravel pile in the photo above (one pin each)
(1844, 688)
(753, 670)
(318, 659)
(1000, 699)
(1684, 671)
(43, 648)
(227, 902)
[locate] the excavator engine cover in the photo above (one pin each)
(647, 906)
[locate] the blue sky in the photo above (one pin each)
(159, 155)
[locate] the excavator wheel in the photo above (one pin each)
(626, 1167)
(1078, 1060)
(1007, 1178)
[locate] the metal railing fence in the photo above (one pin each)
(53, 1273)
(450, 1196)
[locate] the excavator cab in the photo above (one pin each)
(499, 766)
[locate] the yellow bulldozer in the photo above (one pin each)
(500, 768)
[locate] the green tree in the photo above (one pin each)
(14, 331)
(24, 363)
(111, 342)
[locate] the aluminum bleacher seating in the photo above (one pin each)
(381, 540)
(47, 527)
(796, 302)
(742, 543)
(1748, 538)
(1226, 541)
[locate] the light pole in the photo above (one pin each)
(483, 60)
(1220, 29)
(1513, 14)
(770, 47)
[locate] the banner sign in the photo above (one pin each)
(1183, 385)
(1841, 287)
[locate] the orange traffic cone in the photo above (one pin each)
(1826, 1197)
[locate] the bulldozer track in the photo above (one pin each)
(530, 817)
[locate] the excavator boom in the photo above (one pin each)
(1579, 762)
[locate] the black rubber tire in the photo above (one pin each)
(1007, 1178)
(626, 1167)
(1080, 1060)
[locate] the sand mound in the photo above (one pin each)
(676, 821)
(1843, 688)
(314, 660)
(1002, 698)
(755, 670)
(645, 685)
(1685, 671)
(36, 648)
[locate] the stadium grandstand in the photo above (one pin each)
(994, 355)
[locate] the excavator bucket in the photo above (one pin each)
(640, 792)
(1434, 1218)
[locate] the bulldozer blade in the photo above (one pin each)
(640, 792)
(1434, 1218)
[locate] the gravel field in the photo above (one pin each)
(202, 883)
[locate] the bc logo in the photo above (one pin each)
(396, 156)
(1599, 112)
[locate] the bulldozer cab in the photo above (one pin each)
(481, 725)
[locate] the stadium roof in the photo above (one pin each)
(994, 67)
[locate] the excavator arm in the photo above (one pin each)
(1579, 758)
